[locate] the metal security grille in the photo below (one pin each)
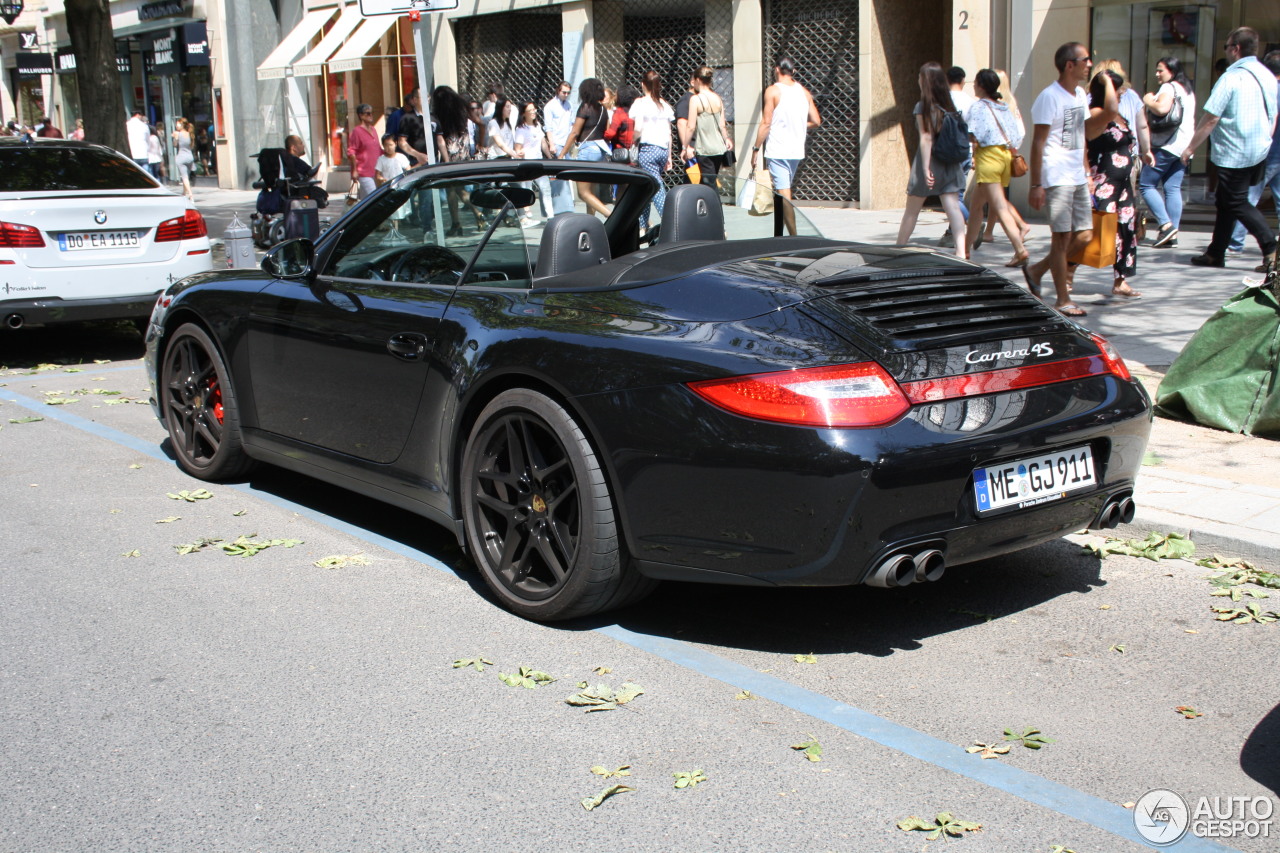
(523, 51)
(672, 37)
(821, 37)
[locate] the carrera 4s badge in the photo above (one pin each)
(1040, 350)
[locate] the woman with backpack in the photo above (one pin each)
(937, 167)
(1171, 119)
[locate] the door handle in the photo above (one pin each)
(408, 346)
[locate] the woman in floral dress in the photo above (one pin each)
(1111, 168)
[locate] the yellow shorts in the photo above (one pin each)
(992, 165)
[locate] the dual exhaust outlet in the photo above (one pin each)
(1118, 510)
(905, 568)
(13, 321)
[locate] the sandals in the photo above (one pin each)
(1126, 291)
(1032, 284)
(1071, 310)
(1020, 259)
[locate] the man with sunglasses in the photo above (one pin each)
(363, 149)
(1239, 119)
(1060, 171)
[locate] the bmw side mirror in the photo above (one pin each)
(290, 259)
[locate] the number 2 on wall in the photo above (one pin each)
(964, 20)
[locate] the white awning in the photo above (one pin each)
(273, 67)
(351, 57)
(312, 64)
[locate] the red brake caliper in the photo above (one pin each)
(215, 397)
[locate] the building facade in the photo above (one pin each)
(300, 66)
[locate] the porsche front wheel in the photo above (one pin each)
(540, 521)
(199, 406)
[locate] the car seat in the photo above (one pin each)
(571, 242)
(692, 212)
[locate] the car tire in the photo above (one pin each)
(200, 408)
(540, 521)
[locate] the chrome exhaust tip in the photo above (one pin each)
(930, 565)
(894, 571)
(14, 321)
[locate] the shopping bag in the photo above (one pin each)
(762, 200)
(1228, 374)
(1100, 252)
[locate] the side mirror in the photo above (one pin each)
(290, 259)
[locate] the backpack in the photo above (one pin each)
(951, 142)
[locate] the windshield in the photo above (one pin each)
(40, 168)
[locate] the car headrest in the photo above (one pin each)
(571, 242)
(692, 212)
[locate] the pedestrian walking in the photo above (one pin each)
(137, 131)
(1059, 171)
(557, 120)
(452, 116)
(996, 135)
(530, 144)
(587, 133)
(155, 155)
(711, 142)
(1007, 98)
(183, 140)
(1239, 119)
(78, 133)
(46, 130)
(684, 128)
(788, 114)
(411, 130)
(653, 117)
(364, 146)
(1271, 171)
(501, 130)
(962, 101)
(390, 164)
(1172, 109)
(1110, 144)
(931, 175)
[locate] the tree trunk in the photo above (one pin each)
(101, 103)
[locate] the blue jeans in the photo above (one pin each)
(1272, 180)
(1161, 188)
(653, 159)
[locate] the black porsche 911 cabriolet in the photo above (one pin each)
(592, 409)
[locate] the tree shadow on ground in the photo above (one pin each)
(73, 343)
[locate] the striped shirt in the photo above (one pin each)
(1244, 100)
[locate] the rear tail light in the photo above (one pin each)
(1009, 379)
(15, 236)
(186, 227)
(849, 395)
(1115, 364)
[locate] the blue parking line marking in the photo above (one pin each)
(1035, 789)
(62, 373)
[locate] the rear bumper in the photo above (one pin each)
(16, 313)
(709, 496)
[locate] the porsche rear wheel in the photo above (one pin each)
(199, 406)
(540, 521)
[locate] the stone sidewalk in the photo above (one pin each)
(1222, 489)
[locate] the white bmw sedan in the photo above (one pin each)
(85, 234)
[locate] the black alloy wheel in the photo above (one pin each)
(199, 406)
(539, 518)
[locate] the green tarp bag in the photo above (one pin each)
(1228, 375)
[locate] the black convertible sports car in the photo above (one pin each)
(591, 409)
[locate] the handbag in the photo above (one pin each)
(762, 198)
(730, 158)
(353, 193)
(1017, 166)
(1099, 252)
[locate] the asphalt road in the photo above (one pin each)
(211, 702)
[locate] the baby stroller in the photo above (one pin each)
(284, 179)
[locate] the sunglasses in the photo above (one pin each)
(1229, 45)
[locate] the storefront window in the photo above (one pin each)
(338, 106)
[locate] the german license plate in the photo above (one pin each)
(88, 240)
(1036, 480)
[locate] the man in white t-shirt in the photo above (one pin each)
(1060, 170)
(138, 134)
(961, 100)
(557, 118)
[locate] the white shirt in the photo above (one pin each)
(506, 133)
(962, 100)
(653, 122)
(557, 118)
(155, 154)
(1187, 129)
(139, 133)
(790, 124)
(1065, 114)
(528, 142)
(391, 167)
